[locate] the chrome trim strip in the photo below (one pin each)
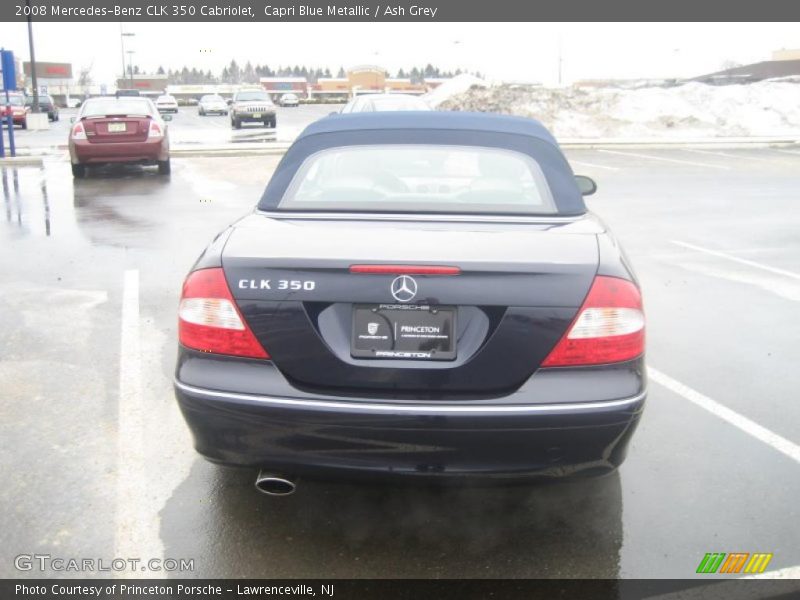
(354, 216)
(411, 408)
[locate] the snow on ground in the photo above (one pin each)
(452, 87)
(692, 110)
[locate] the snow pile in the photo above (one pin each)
(693, 110)
(453, 87)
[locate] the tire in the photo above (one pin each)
(24, 124)
(236, 123)
(164, 167)
(273, 122)
(78, 171)
(201, 113)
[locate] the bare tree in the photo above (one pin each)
(85, 76)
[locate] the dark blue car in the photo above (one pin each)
(421, 295)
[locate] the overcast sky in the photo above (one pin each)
(506, 51)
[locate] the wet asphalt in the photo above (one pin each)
(692, 483)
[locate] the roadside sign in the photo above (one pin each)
(43, 90)
(9, 70)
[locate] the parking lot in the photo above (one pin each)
(99, 462)
(188, 129)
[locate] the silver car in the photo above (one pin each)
(289, 100)
(251, 106)
(212, 104)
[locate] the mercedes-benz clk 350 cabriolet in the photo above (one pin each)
(417, 295)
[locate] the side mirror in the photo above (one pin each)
(229, 101)
(72, 119)
(586, 185)
(167, 117)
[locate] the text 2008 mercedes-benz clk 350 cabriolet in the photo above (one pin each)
(420, 295)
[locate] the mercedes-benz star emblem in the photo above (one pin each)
(404, 288)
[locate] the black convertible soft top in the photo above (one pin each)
(527, 136)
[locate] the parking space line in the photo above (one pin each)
(744, 261)
(741, 422)
(593, 166)
(729, 155)
(135, 535)
(794, 152)
(664, 159)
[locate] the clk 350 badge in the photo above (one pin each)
(280, 284)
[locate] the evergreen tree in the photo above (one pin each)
(234, 73)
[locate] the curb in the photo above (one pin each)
(21, 161)
(279, 148)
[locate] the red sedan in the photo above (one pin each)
(19, 112)
(118, 130)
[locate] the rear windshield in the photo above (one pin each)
(419, 178)
(130, 105)
(15, 100)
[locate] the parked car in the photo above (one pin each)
(422, 296)
(289, 100)
(212, 104)
(250, 106)
(72, 102)
(19, 109)
(167, 103)
(119, 130)
(46, 104)
(381, 102)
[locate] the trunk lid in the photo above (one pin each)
(116, 129)
(520, 284)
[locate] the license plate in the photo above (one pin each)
(116, 127)
(256, 115)
(403, 331)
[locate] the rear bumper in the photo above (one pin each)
(378, 439)
(148, 151)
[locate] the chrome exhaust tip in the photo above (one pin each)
(272, 484)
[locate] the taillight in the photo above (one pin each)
(78, 132)
(209, 320)
(155, 130)
(609, 327)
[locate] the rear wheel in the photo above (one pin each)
(236, 123)
(78, 171)
(164, 167)
(24, 124)
(271, 123)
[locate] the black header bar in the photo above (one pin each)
(400, 10)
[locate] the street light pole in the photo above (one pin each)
(122, 36)
(33, 60)
(130, 65)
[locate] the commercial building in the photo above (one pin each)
(784, 63)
